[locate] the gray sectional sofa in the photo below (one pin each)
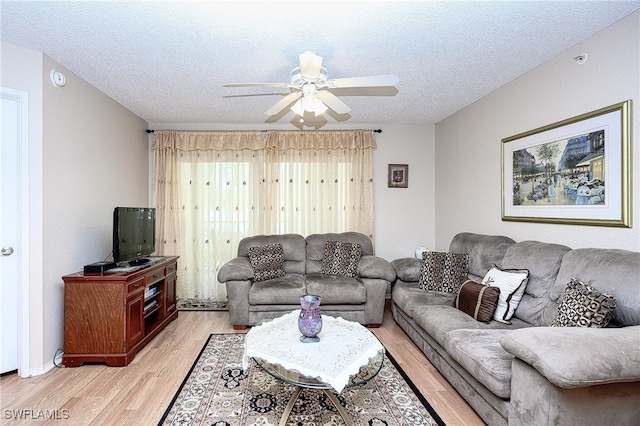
(359, 298)
(527, 373)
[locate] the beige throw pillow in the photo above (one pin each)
(511, 283)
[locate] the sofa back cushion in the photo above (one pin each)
(484, 251)
(543, 262)
(612, 271)
(315, 245)
(293, 247)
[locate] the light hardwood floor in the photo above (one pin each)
(139, 393)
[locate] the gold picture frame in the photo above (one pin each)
(398, 176)
(576, 171)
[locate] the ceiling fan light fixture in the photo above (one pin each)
(297, 108)
(310, 104)
(314, 105)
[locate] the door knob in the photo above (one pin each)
(6, 251)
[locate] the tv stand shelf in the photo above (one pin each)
(110, 316)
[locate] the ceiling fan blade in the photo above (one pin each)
(250, 95)
(370, 81)
(333, 102)
(283, 103)
(310, 65)
(256, 85)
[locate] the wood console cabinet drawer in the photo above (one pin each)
(109, 317)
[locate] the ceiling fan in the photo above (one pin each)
(310, 87)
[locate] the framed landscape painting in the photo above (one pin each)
(576, 171)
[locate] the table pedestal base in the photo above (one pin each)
(330, 395)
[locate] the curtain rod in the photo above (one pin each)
(374, 131)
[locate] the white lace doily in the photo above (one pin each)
(344, 347)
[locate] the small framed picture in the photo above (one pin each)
(398, 176)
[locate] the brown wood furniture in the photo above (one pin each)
(108, 317)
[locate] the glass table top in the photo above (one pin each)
(366, 373)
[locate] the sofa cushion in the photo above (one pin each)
(511, 283)
(438, 320)
(443, 271)
(315, 245)
(584, 306)
(341, 258)
(267, 261)
(408, 297)
(480, 353)
(293, 247)
(478, 300)
(483, 250)
(543, 261)
(278, 291)
(608, 270)
(336, 289)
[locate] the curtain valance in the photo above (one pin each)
(184, 140)
(325, 139)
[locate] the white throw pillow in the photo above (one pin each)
(511, 283)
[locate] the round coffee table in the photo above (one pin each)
(366, 373)
(347, 355)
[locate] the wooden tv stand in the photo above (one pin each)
(109, 317)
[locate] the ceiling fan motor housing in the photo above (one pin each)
(297, 79)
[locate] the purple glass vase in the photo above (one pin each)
(310, 320)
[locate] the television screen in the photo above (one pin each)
(134, 233)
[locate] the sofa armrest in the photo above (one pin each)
(575, 357)
(237, 269)
(407, 269)
(376, 267)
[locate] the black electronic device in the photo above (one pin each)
(134, 234)
(98, 267)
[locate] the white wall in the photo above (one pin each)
(405, 217)
(88, 155)
(468, 143)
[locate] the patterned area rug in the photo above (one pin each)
(202, 305)
(218, 392)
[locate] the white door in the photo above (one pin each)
(13, 111)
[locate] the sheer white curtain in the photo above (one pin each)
(211, 189)
(319, 181)
(206, 192)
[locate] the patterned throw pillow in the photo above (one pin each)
(584, 306)
(341, 258)
(443, 271)
(455, 272)
(267, 262)
(478, 300)
(511, 283)
(431, 270)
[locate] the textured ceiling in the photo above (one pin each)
(167, 61)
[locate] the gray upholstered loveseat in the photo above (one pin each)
(360, 299)
(527, 373)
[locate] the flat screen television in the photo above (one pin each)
(134, 234)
